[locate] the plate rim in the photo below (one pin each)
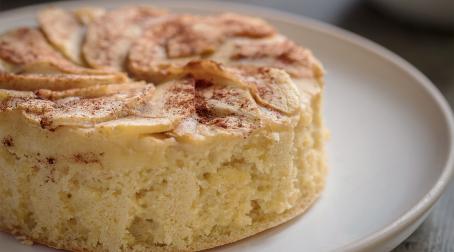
(418, 210)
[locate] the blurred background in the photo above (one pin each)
(420, 31)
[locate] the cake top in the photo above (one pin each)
(152, 70)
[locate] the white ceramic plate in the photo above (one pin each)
(391, 152)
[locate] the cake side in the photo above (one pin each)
(124, 186)
(90, 191)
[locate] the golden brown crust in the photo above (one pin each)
(270, 87)
(26, 50)
(95, 91)
(234, 25)
(87, 15)
(110, 36)
(80, 111)
(278, 52)
(229, 38)
(31, 82)
(239, 98)
(64, 31)
(28, 62)
(163, 48)
(211, 94)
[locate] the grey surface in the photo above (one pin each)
(430, 49)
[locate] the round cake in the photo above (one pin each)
(137, 129)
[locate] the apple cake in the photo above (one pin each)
(137, 129)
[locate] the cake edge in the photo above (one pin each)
(300, 208)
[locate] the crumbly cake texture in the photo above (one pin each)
(136, 129)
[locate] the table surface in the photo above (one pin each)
(429, 49)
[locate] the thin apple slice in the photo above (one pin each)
(31, 82)
(109, 37)
(64, 32)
